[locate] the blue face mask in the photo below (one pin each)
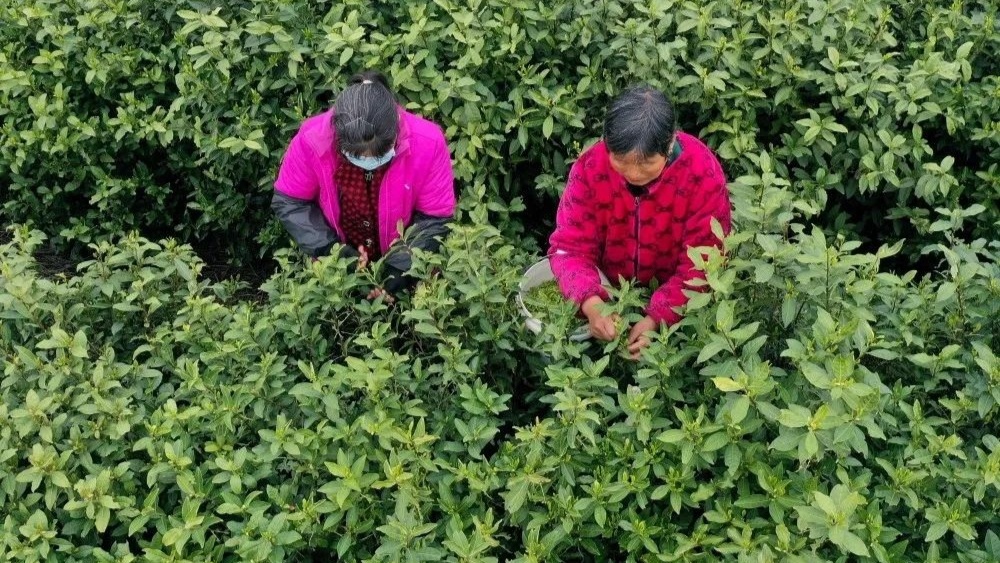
(370, 162)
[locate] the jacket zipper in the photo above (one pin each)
(637, 239)
(369, 176)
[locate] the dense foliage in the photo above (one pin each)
(811, 407)
(171, 118)
(814, 405)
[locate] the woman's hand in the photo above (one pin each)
(637, 339)
(379, 292)
(363, 259)
(601, 327)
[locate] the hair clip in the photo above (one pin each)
(366, 81)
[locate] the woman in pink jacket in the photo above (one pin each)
(634, 204)
(354, 177)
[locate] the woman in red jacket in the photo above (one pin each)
(634, 204)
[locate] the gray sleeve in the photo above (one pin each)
(424, 233)
(304, 221)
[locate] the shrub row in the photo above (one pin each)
(811, 407)
(171, 118)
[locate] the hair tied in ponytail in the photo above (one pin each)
(366, 119)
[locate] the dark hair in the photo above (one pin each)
(640, 119)
(365, 117)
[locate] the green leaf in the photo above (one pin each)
(101, 522)
(794, 417)
(37, 521)
(786, 442)
(825, 503)
(816, 375)
(789, 310)
(346, 55)
(287, 537)
(946, 291)
(739, 409)
(78, 348)
(810, 445)
(517, 494)
(600, 516)
(672, 436)
(936, 531)
(964, 49)
(715, 442)
(659, 492)
(174, 536)
(726, 384)
(763, 272)
(849, 541)
(59, 479)
(992, 544)
(229, 508)
(137, 524)
(214, 21)
(725, 316)
(709, 350)
(733, 457)
(547, 126)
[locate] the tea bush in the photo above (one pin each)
(811, 407)
(834, 397)
(171, 118)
